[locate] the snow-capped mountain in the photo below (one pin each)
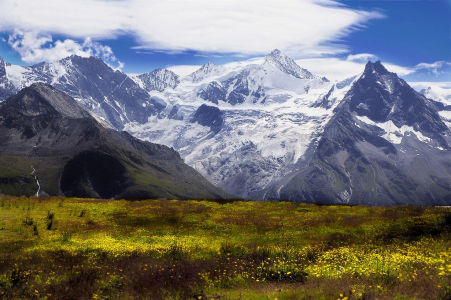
(287, 65)
(255, 83)
(206, 71)
(157, 80)
(111, 95)
(242, 125)
(442, 99)
(438, 94)
(386, 144)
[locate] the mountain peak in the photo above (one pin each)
(158, 80)
(276, 56)
(208, 67)
(376, 67)
(276, 53)
(205, 71)
(40, 98)
(82, 59)
(287, 65)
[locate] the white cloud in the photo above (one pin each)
(77, 19)
(419, 85)
(245, 27)
(332, 68)
(339, 69)
(400, 70)
(34, 47)
(433, 67)
(362, 57)
(184, 70)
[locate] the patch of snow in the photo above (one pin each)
(393, 133)
(16, 74)
(57, 70)
(446, 117)
(438, 94)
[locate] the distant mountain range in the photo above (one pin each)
(269, 129)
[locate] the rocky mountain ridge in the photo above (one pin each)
(385, 145)
(111, 95)
(73, 155)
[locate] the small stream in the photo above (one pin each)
(37, 181)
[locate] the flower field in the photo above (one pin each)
(69, 248)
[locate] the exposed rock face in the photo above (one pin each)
(74, 155)
(209, 116)
(382, 96)
(7, 89)
(385, 145)
(213, 92)
(158, 80)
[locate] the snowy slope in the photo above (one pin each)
(438, 94)
(442, 97)
(268, 120)
(287, 65)
(206, 71)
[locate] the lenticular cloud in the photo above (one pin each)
(246, 27)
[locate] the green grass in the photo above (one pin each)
(15, 167)
(68, 248)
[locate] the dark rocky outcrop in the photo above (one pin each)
(209, 116)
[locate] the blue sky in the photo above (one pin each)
(331, 38)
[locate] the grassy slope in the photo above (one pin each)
(82, 249)
(48, 171)
(16, 179)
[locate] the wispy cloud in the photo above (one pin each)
(340, 68)
(209, 55)
(35, 47)
(362, 57)
(419, 85)
(434, 68)
(183, 70)
(241, 27)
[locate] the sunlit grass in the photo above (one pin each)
(54, 248)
